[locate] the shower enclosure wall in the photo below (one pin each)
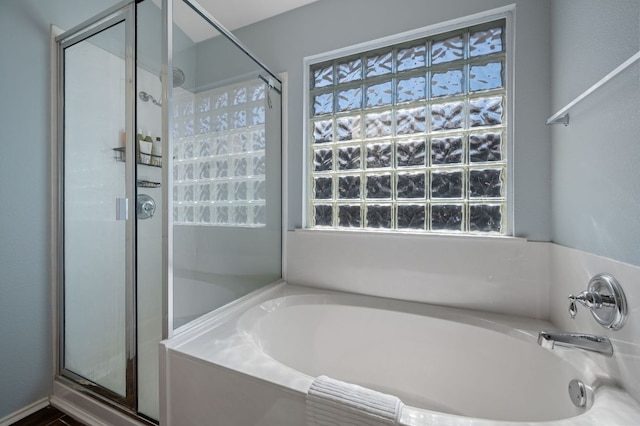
(151, 235)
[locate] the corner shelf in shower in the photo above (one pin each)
(142, 183)
(144, 159)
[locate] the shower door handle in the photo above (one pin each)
(122, 209)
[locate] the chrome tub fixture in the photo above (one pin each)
(608, 305)
(606, 300)
(587, 342)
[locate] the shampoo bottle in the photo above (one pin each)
(156, 150)
(157, 147)
(145, 149)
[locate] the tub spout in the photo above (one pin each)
(587, 342)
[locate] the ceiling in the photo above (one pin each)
(232, 14)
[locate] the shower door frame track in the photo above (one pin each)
(123, 12)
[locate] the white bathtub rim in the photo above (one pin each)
(195, 328)
(611, 406)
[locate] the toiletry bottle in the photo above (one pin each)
(157, 147)
(139, 138)
(145, 149)
(156, 150)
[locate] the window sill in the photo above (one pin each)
(409, 234)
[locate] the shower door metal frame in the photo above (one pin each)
(166, 8)
(119, 13)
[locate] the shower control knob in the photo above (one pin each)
(588, 299)
(145, 206)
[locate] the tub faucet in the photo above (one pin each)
(586, 342)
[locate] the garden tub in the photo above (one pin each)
(252, 363)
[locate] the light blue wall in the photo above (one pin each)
(283, 41)
(596, 159)
(25, 291)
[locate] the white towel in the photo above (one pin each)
(332, 402)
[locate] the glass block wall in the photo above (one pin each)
(219, 156)
(412, 136)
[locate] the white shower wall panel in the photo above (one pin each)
(149, 255)
(94, 239)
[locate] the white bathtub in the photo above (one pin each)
(252, 363)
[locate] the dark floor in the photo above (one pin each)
(48, 416)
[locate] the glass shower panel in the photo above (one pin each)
(95, 210)
(226, 195)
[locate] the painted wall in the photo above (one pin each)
(25, 288)
(283, 41)
(595, 185)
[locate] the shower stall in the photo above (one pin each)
(167, 190)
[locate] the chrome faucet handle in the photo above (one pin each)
(588, 299)
(605, 298)
(573, 308)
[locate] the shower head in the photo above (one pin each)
(145, 97)
(178, 77)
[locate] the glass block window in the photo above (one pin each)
(412, 137)
(219, 156)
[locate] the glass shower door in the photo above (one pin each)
(97, 221)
